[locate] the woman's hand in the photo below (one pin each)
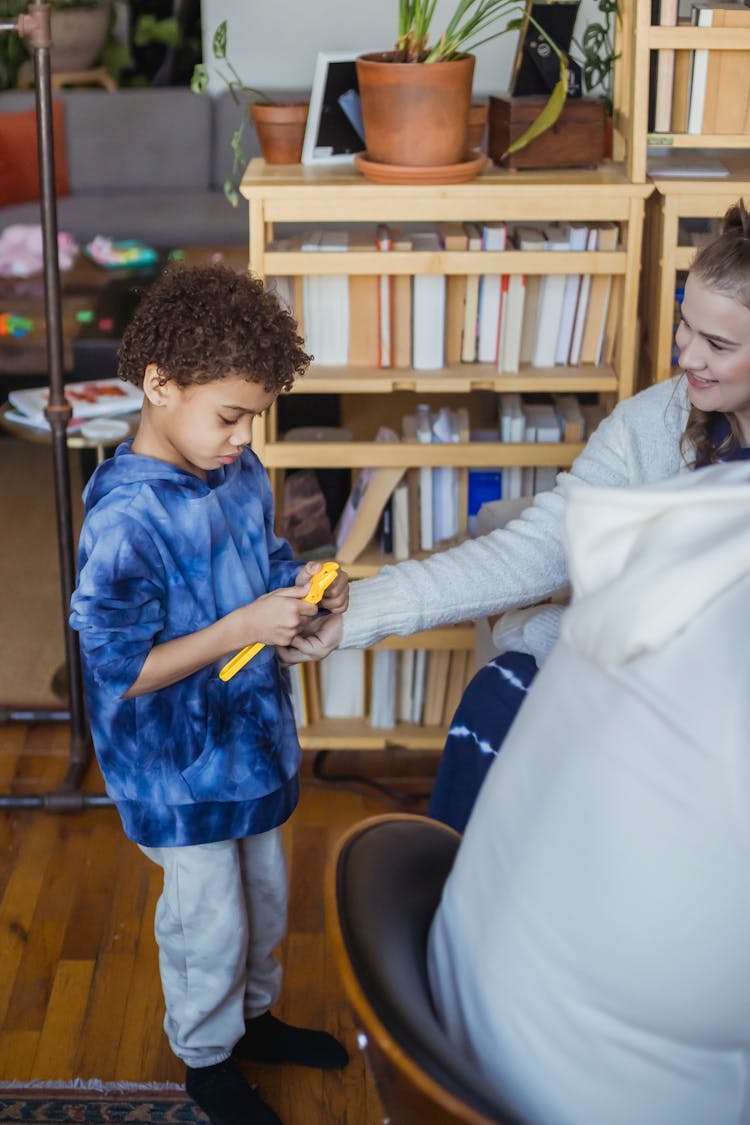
(313, 645)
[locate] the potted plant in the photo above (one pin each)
(280, 125)
(415, 99)
(598, 57)
(80, 31)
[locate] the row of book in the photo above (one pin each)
(429, 321)
(418, 508)
(702, 91)
(385, 686)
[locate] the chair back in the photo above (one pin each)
(383, 886)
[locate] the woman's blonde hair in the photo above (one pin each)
(724, 265)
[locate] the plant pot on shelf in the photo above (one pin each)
(415, 114)
(281, 130)
(478, 115)
(78, 37)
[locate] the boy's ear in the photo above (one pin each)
(154, 387)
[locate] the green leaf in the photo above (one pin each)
(547, 117)
(200, 79)
(219, 43)
(230, 191)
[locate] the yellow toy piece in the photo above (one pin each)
(319, 583)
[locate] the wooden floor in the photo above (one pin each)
(79, 986)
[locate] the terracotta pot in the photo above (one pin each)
(415, 113)
(281, 130)
(478, 115)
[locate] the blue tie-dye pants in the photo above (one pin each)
(483, 717)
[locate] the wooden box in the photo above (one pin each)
(575, 140)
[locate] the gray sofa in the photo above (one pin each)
(147, 164)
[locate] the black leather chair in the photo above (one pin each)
(383, 886)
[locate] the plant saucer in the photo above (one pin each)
(420, 174)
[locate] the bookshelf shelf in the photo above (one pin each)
(361, 454)
(299, 198)
(456, 380)
(638, 40)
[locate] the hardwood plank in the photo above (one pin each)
(32, 986)
(20, 899)
(95, 889)
(17, 1051)
(99, 1044)
(61, 1032)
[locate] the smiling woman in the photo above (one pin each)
(714, 341)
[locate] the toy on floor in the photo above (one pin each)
(112, 254)
(13, 325)
(319, 583)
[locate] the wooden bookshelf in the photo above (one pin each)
(284, 198)
(638, 38)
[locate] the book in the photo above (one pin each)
(453, 237)
(471, 298)
(364, 506)
(428, 310)
(665, 65)
(551, 295)
(402, 302)
(445, 429)
(511, 327)
(727, 97)
(383, 689)
(569, 417)
(385, 298)
(419, 671)
(424, 435)
(364, 310)
(438, 661)
(578, 240)
(702, 16)
(512, 429)
(543, 422)
(494, 238)
(409, 434)
(342, 684)
(529, 238)
(599, 296)
(584, 292)
(326, 302)
(405, 684)
(298, 695)
(96, 398)
(400, 521)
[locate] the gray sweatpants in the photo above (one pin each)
(221, 914)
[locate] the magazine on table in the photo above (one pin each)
(96, 398)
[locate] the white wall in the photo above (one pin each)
(274, 43)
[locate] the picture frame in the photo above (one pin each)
(334, 132)
(535, 66)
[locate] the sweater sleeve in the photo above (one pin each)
(517, 565)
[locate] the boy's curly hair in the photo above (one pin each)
(199, 324)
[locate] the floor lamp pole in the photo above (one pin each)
(34, 26)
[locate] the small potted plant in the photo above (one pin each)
(280, 125)
(598, 57)
(415, 98)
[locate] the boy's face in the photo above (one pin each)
(203, 426)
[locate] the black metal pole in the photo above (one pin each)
(35, 26)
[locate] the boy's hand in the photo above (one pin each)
(336, 597)
(313, 646)
(277, 617)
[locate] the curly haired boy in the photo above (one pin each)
(179, 567)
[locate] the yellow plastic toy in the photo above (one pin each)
(319, 583)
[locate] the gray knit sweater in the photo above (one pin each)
(524, 562)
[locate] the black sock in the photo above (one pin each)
(224, 1095)
(267, 1039)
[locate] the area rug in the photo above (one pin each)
(31, 611)
(92, 1103)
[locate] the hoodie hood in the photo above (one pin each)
(644, 562)
(131, 469)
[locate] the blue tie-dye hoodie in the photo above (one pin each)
(162, 554)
